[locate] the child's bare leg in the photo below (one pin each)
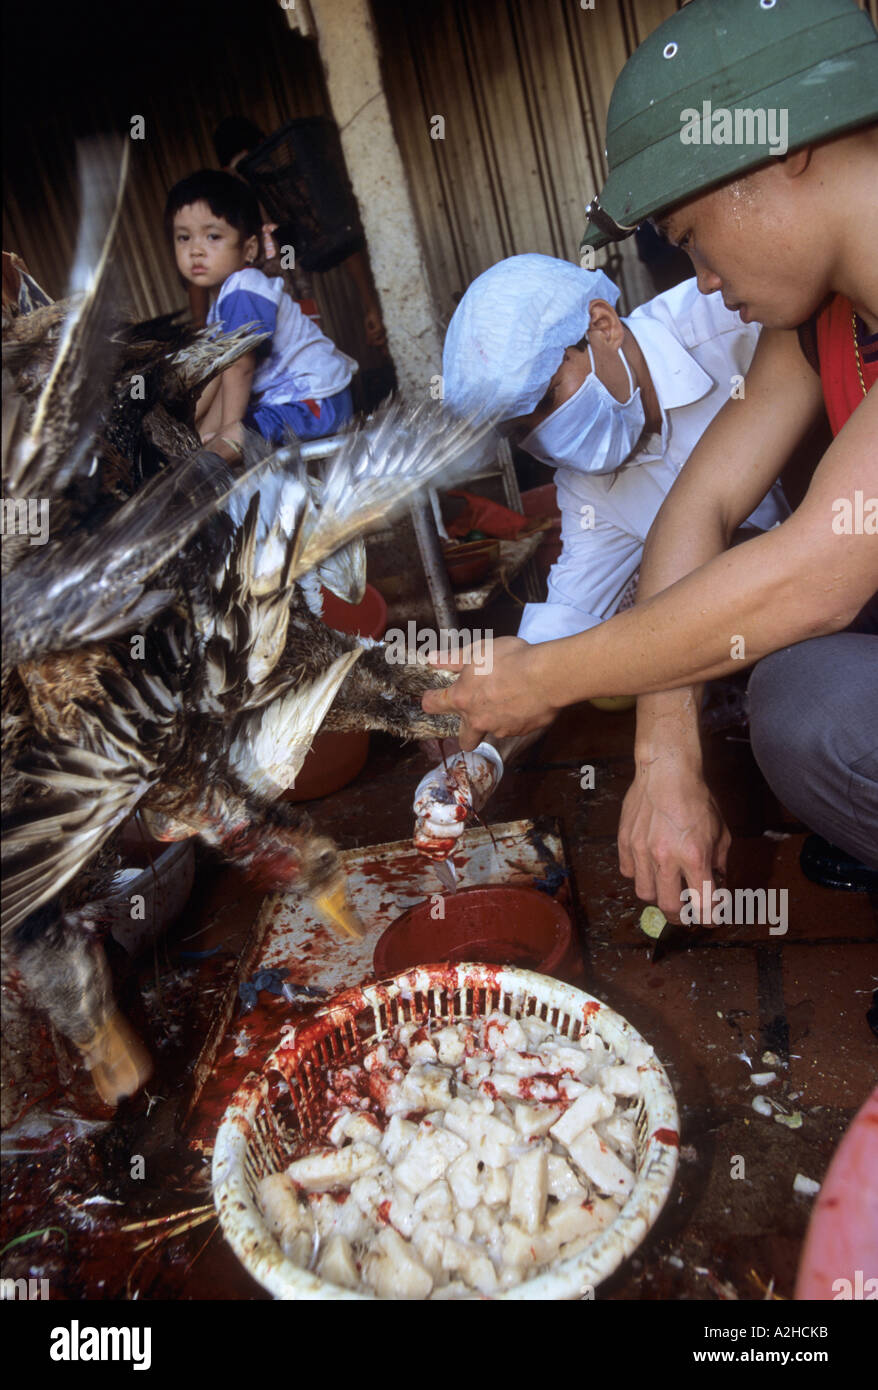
(208, 397)
(212, 418)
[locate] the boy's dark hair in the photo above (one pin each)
(225, 195)
(233, 135)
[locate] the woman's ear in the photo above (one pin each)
(604, 321)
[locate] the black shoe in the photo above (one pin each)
(824, 863)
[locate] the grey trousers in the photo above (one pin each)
(814, 732)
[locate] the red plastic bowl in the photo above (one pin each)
(335, 759)
(493, 924)
(840, 1256)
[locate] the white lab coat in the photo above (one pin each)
(693, 346)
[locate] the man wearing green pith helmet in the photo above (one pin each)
(747, 130)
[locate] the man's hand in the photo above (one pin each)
(671, 836)
(495, 693)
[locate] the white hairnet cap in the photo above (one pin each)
(508, 334)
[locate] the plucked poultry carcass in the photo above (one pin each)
(164, 650)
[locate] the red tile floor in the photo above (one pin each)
(710, 1009)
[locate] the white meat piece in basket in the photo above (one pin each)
(489, 1138)
(434, 1203)
(358, 1127)
(573, 1218)
(504, 1034)
(536, 1032)
(397, 1137)
(336, 1132)
(571, 1090)
(336, 1263)
(530, 1188)
(371, 1190)
(402, 1214)
(451, 1291)
(427, 1159)
(288, 1219)
(495, 1192)
(376, 1058)
(621, 1081)
(464, 1225)
(428, 1241)
(451, 1046)
(465, 1181)
(393, 1269)
(471, 1263)
(563, 1057)
(502, 1083)
(563, 1182)
(621, 1132)
(520, 1254)
(331, 1168)
(533, 1121)
(594, 1105)
(600, 1165)
(514, 1064)
(424, 1050)
(427, 1088)
(339, 1218)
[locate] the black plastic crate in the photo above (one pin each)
(300, 178)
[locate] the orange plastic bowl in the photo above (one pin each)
(493, 924)
(335, 759)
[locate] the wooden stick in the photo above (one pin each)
(171, 1216)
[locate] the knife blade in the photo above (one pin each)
(446, 874)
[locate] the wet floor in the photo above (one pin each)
(733, 1227)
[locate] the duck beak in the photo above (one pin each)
(333, 903)
(118, 1061)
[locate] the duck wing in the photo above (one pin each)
(271, 744)
(379, 468)
(58, 445)
(93, 586)
(89, 789)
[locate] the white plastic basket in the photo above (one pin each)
(267, 1119)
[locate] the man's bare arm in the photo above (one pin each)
(798, 581)
(671, 831)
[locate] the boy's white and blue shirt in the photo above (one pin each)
(301, 364)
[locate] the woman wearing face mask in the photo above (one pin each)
(614, 405)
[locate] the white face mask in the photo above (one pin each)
(592, 431)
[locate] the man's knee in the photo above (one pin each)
(813, 734)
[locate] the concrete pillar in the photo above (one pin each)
(349, 52)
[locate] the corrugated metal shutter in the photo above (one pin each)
(523, 87)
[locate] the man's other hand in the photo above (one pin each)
(671, 837)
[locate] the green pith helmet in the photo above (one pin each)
(816, 60)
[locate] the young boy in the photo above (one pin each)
(297, 381)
